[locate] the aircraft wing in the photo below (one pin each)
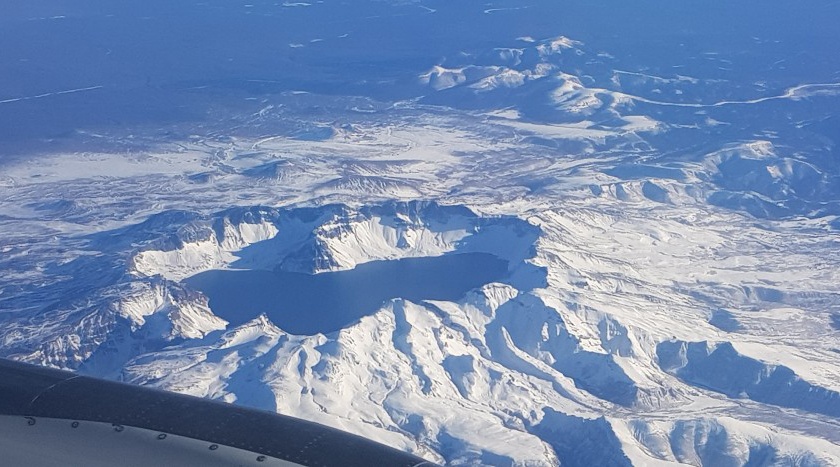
(56, 418)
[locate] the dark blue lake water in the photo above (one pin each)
(312, 303)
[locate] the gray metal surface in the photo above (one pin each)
(42, 393)
(51, 442)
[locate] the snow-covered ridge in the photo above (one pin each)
(147, 307)
(722, 368)
(331, 238)
(201, 247)
(111, 326)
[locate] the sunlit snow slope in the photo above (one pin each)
(561, 232)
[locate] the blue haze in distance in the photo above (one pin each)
(156, 62)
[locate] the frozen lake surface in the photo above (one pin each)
(312, 303)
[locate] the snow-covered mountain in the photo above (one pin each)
(577, 233)
(568, 349)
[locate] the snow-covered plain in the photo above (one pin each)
(665, 196)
